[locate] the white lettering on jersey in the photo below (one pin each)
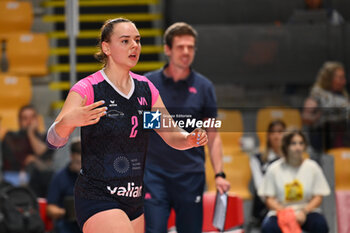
(130, 191)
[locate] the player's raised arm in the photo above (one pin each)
(177, 137)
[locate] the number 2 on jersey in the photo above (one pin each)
(135, 123)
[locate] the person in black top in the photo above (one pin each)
(110, 106)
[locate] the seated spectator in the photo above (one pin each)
(294, 184)
(259, 163)
(325, 110)
(25, 156)
(60, 194)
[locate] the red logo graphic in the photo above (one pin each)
(148, 196)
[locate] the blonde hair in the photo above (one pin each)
(325, 75)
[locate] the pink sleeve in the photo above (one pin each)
(154, 91)
(84, 88)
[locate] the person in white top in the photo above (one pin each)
(297, 183)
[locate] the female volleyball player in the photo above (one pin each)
(109, 106)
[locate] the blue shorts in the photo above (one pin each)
(85, 208)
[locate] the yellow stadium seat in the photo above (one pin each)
(237, 171)
(291, 117)
(8, 120)
(231, 120)
(28, 54)
(235, 162)
(231, 142)
(341, 167)
(231, 130)
(15, 91)
(41, 120)
(15, 17)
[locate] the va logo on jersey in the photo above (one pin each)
(142, 100)
(151, 120)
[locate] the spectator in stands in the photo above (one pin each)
(325, 110)
(294, 184)
(26, 158)
(177, 180)
(61, 191)
(259, 163)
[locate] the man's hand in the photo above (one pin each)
(30, 159)
(222, 185)
(55, 212)
(33, 126)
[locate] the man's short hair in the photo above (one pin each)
(25, 107)
(178, 29)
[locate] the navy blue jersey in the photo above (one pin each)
(192, 98)
(113, 150)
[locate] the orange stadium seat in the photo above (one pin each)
(237, 171)
(235, 161)
(28, 54)
(231, 130)
(15, 17)
(291, 117)
(341, 168)
(15, 92)
(8, 120)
